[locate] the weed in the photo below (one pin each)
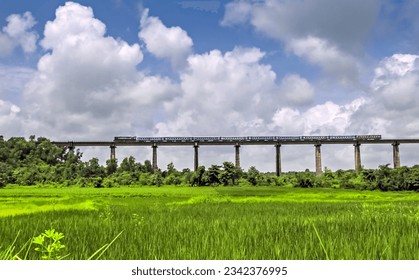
(49, 245)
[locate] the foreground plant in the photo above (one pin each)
(49, 245)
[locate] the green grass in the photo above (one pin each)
(216, 223)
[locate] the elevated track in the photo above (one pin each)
(237, 142)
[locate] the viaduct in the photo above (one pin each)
(154, 143)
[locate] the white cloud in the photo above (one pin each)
(324, 119)
(296, 90)
(17, 33)
(172, 43)
(320, 52)
(396, 82)
(392, 107)
(343, 23)
(10, 124)
(13, 80)
(88, 85)
(326, 33)
(237, 12)
(398, 65)
(222, 92)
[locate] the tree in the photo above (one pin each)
(148, 168)
(252, 175)
(230, 174)
(213, 175)
(128, 165)
(198, 176)
(111, 166)
(171, 169)
(92, 168)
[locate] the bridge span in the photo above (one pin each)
(237, 142)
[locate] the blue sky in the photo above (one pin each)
(96, 69)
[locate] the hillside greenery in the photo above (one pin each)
(38, 161)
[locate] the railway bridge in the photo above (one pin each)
(276, 141)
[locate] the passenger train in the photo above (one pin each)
(246, 138)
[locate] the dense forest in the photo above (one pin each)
(38, 161)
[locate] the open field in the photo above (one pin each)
(216, 223)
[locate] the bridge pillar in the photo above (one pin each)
(196, 158)
(237, 146)
(154, 159)
(318, 159)
(278, 159)
(396, 154)
(357, 152)
(71, 146)
(113, 151)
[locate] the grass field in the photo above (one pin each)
(216, 223)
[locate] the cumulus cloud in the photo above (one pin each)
(394, 67)
(87, 84)
(296, 90)
(392, 107)
(320, 52)
(17, 33)
(172, 43)
(323, 119)
(223, 92)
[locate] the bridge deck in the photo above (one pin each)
(228, 142)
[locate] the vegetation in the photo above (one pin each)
(40, 162)
(214, 222)
(168, 215)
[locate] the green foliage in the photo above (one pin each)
(39, 162)
(156, 179)
(49, 245)
(253, 175)
(305, 179)
(207, 223)
(97, 182)
(111, 166)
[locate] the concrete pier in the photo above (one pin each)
(237, 146)
(113, 151)
(396, 154)
(196, 159)
(357, 153)
(154, 159)
(243, 141)
(318, 159)
(278, 159)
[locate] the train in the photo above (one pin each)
(246, 138)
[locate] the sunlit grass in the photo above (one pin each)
(219, 223)
(30, 208)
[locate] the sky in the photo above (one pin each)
(92, 70)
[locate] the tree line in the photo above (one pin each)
(37, 161)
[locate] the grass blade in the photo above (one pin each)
(321, 242)
(104, 248)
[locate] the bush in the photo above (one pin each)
(97, 182)
(305, 180)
